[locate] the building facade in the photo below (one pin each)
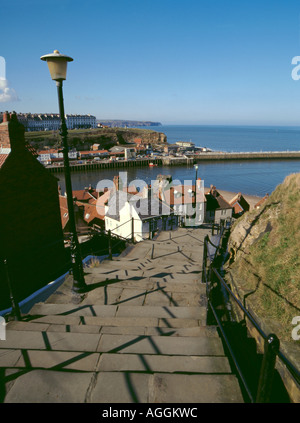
(51, 121)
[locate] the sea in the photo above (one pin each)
(256, 178)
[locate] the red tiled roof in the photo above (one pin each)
(64, 212)
(180, 194)
(92, 152)
(85, 194)
(257, 205)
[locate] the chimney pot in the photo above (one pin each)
(6, 117)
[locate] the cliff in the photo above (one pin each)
(82, 139)
(264, 265)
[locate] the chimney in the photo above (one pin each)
(213, 190)
(12, 132)
(5, 117)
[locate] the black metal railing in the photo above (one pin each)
(271, 352)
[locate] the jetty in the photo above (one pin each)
(178, 161)
(139, 335)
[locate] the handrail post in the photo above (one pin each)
(271, 349)
(109, 245)
(15, 306)
(132, 230)
(204, 260)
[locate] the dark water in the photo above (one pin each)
(248, 177)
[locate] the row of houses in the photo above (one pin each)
(132, 213)
(51, 156)
(51, 121)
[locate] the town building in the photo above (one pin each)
(217, 208)
(31, 237)
(137, 219)
(52, 122)
(261, 201)
(239, 205)
(51, 155)
(187, 201)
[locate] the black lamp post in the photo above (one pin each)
(195, 192)
(57, 64)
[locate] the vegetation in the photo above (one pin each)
(267, 264)
(82, 139)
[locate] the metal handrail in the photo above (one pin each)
(271, 341)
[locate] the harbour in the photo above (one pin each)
(175, 161)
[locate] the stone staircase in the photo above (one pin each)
(137, 336)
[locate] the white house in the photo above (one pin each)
(46, 156)
(134, 217)
(130, 153)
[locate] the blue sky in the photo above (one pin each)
(172, 61)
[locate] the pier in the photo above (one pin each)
(178, 161)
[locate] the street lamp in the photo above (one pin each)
(195, 192)
(57, 64)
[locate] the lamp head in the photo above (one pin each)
(57, 64)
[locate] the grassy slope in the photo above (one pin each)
(268, 264)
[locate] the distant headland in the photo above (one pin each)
(126, 123)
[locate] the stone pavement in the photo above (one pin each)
(138, 336)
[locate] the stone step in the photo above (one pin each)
(126, 270)
(120, 326)
(52, 341)
(163, 312)
(88, 362)
(161, 345)
(112, 343)
(48, 386)
(162, 363)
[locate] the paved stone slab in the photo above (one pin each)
(181, 388)
(185, 299)
(60, 360)
(158, 298)
(75, 329)
(56, 320)
(164, 364)
(106, 295)
(120, 321)
(160, 345)
(121, 387)
(123, 330)
(9, 358)
(206, 331)
(74, 310)
(45, 386)
(72, 341)
(132, 296)
(32, 326)
(166, 330)
(27, 339)
(179, 323)
(50, 341)
(161, 311)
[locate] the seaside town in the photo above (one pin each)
(149, 207)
